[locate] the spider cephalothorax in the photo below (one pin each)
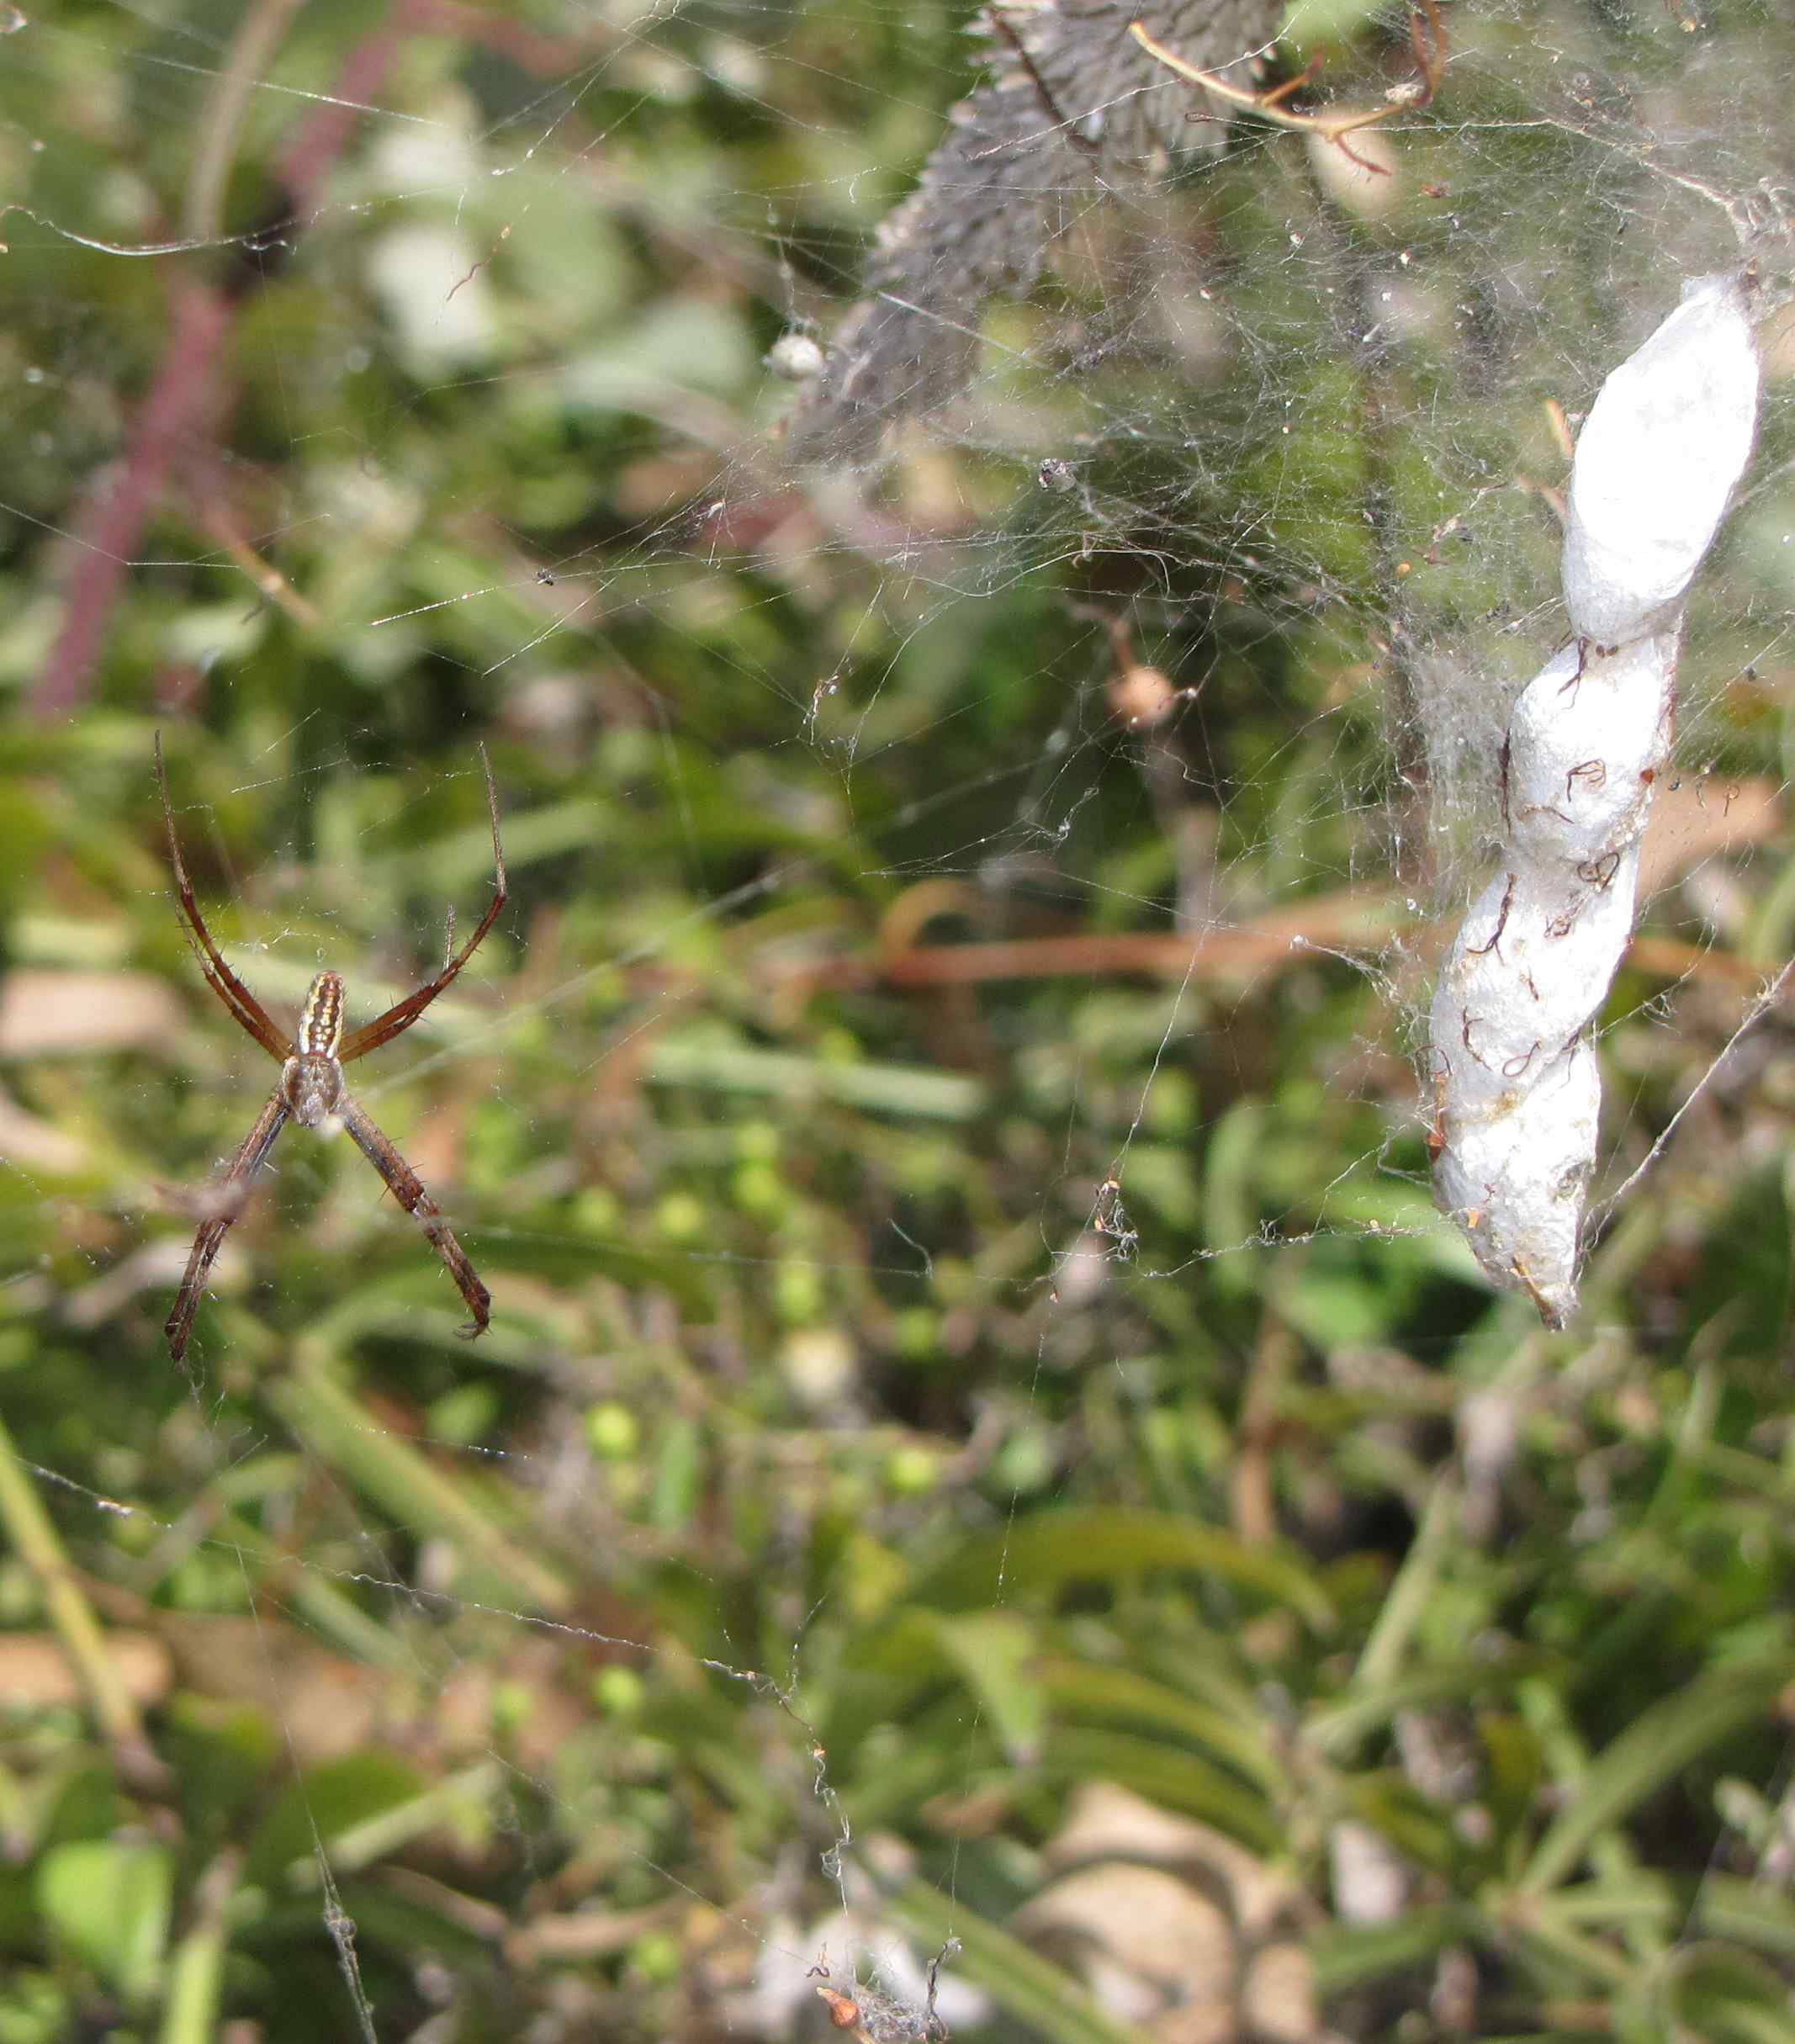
(311, 1090)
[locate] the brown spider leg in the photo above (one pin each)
(403, 1014)
(407, 1188)
(225, 1196)
(248, 1012)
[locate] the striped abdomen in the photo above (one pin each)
(311, 1079)
(321, 1030)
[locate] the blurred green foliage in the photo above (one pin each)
(914, 1412)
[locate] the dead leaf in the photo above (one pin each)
(48, 1012)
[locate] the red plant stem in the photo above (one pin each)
(183, 403)
(324, 134)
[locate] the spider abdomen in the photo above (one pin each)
(311, 1078)
(321, 1030)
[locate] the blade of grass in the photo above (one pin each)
(335, 1616)
(372, 1457)
(83, 1639)
(1666, 1737)
(360, 1845)
(718, 1064)
(1536, 1924)
(196, 1972)
(1402, 1609)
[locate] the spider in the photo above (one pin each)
(311, 1089)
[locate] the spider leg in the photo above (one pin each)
(224, 1199)
(407, 1188)
(248, 1012)
(402, 1015)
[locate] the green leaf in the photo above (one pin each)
(110, 1904)
(332, 1799)
(1337, 1726)
(1349, 1955)
(457, 1805)
(1105, 1544)
(1753, 1915)
(679, 1468)
(1616, 1901)
(992, 1649)
(1170, 1776)
(1729, 1996)
(1115, 1695)
(1233, 1157)
(1313, 24)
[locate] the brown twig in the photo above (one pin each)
(273, 585)
(1426, 37)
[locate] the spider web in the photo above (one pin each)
(943, 1116)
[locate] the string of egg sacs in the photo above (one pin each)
(1517, 1091)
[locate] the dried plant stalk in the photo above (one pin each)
(1073, 105)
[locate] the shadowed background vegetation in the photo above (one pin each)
(984, 1451)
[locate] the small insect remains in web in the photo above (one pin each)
(311, 1089)
(870, 2017)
